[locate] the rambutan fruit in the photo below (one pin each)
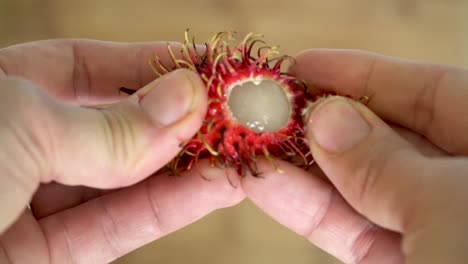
(254, 108)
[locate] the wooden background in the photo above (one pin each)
(427, 30)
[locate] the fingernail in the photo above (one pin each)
(170, 99)
(337, 126)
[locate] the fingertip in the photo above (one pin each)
(199, 103)
(335, 126)
(224, 181)
(338, 70)
(187, 126)
(203, 185)
(291, 197)
(172, 98)
(299, 58)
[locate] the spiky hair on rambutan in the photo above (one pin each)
(255, 109)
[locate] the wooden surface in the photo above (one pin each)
(427, 30)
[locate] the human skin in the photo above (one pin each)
(383, 193)
(86, 171)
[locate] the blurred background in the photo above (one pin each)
(426, 30)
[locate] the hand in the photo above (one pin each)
(388, 193)
(61, 155)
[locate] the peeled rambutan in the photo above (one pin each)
(254, 108)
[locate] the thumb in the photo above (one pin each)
(386, 179)
(105, 148)
(360, 155)
(121, 144)
(45, 140)
(369, 163)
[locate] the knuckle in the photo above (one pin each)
(120, 137)
(362, 245)
(110, 231)
(158, 229)
(368, 177)
(4, 254)
(369, 75)
(23, 135)
(426, 102)
(377, 172)
(18, 97)
(321, 215)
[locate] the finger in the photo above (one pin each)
(112, 225)
(424, 146)
(388, 181)
(84, 71)
(311, 207)
(429, 99)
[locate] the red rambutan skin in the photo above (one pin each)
(222, 138)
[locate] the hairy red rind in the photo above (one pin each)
(222, 139)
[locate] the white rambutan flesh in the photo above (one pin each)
(261, 106)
